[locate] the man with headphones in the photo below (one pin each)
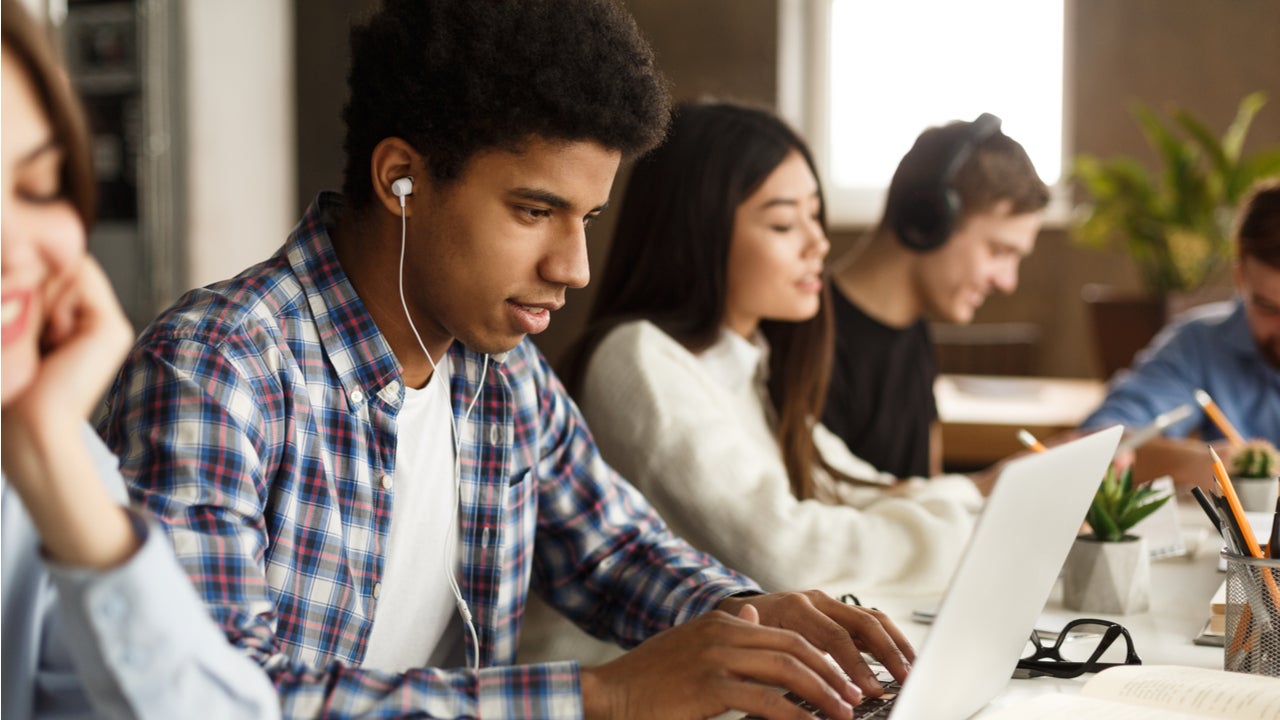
(962, 211)
(366, 465)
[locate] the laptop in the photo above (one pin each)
(1003, 581)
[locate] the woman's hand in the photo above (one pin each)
(84, 339)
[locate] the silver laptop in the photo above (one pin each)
(1003, 580)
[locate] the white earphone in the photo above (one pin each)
(400, 188)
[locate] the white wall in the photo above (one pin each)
(239, 134)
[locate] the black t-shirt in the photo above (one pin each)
(881, 395)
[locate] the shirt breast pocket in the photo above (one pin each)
(522, 504)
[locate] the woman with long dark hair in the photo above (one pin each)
(705, 364)
(99, 619)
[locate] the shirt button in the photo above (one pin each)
(357, 396)
(377, 590)
(495, 434)
(387, 482)
(393, 387)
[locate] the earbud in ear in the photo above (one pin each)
(402, 187)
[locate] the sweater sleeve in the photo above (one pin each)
(143, 644)
(659, 419)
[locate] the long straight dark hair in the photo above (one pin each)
(670, 254)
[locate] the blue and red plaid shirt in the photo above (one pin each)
(257, 419)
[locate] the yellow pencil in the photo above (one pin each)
(1233, 502)
(1243, 637)
(1030, 441)
(1215, 414)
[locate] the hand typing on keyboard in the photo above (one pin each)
(735, 659)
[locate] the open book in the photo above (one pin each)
(1157, 692)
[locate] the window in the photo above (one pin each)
(862, 78)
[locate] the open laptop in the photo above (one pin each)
(1003, 580)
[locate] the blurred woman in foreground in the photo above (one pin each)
(98, 617)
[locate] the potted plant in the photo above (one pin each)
(1174, 222)
(1253, 467)
(1109, 570)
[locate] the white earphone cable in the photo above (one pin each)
(450, 543)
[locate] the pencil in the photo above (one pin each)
(1246, 531)
(1157, 426)
(1208, 508)
(1215, 414)
(1273, 543)
(1030, 441)
(1233, 501)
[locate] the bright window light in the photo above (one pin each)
(885, 71)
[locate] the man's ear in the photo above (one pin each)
(392, 159)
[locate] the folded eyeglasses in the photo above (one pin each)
(1084, 645)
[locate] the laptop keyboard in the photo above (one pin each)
(877, 707)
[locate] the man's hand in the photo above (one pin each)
(1187, 461)
(843, 631)
(737, 657)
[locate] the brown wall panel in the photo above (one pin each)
(1201, 54)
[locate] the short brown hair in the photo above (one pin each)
(997, 169)
(1257, 231)
(30, 46)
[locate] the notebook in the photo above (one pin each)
(1003, 580)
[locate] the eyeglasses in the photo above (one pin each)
(1083, 646)
(851, 599)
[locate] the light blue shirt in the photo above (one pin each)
(132, 642)
(1210, 348)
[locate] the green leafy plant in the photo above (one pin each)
(1255, 459)
(1119, 505)
(1174, 223)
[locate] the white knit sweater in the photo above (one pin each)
(693, 434)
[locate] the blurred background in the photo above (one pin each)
(216, 122)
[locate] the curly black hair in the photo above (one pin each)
(452, 77)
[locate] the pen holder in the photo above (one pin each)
(1252, 640)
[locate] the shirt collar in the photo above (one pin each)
(735, 360)
(356, 348)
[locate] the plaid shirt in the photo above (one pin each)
(257, 419)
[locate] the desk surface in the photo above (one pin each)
(1181, 588)
(981, 414)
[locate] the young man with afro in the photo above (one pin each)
(366, 465)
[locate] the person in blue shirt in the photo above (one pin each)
(98, 617)
(1231, 350)
(369, 466)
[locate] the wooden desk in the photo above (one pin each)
(981, 414)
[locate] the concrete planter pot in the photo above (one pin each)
(1257, 494)
(1112, 578)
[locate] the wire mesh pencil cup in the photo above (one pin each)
(1252, 641)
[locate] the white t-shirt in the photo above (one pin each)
(415, 620)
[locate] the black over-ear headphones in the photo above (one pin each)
(928, 211)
